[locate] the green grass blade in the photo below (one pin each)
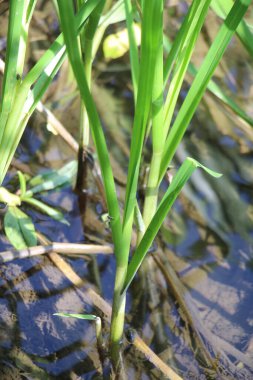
(23, 109)
(50, 211)
(88, 317)
(199, 9)
(67, 18)
(30, 10)
(92, 24)
(56, 47)
(26, 100)
(53, 179)
(157, 100)
(133, 48)
(22, 183)
(215, 90)
(86, 39)
(243, 32)
(186, 28)
(201, 80)
(42, 83)
(182, 176)
(152, 23)
(114, 15)
(220, 94)
(158, 137)
(13, 67)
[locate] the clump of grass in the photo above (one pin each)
(150, 74)
(157, 83)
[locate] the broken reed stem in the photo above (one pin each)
(149, 354)
(64, 248)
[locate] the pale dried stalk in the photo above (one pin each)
(65, 248)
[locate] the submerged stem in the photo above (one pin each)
(118, 316)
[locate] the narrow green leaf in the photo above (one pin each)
(187, 29)
(12, 73)
(222, 8)
(201, 80)
(89, 317)
(19, 228)
(198, 11)
(50, 211)
(93, 21)
(182, 176)
(114, 15)
(26, 100)
(30, 9)
(215, 89)
(22, 183)
(158, 135)
(133, 48)
(70, 36)
(58, 44)
(53, 179)
(152, 24)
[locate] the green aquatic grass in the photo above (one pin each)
(201, 80)
(157, 83)
(133, 48)
(67, 18)
(149, 77)
(178, 182)
(243, 32)
(20, 96)
(15, 55)
(149, 73)
(88, 317)
(18, 226)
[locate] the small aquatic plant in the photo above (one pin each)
(157, 82)
(152, 117)
(18, 226)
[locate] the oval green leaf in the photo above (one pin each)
(19, 228)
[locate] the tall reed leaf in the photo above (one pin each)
(152, 24)
(70, 36)
(222, 8)
(133, 49)
(215, 89)
(25, 99)
(182, 176)
(201, 80)
(187, 28)
(14, 64)
(158, 137)
(199, 10)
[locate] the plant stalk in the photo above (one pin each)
(118, 316)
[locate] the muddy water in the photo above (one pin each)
(207, 240)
